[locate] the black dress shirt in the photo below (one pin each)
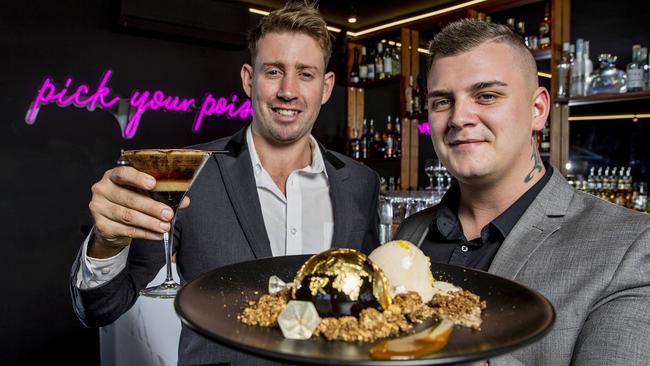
(446, 242)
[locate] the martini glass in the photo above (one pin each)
(174, 171)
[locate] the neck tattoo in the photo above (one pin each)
(537, 161)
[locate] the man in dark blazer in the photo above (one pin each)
(514, 216)
(236, 198)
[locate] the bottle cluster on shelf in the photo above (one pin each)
(383, 61)
(614, 185)
(389, 185)
(538, 39)
(576, 76)
(415, 97)
(372, 144)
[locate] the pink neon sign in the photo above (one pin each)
(423, 128)
(139, 102)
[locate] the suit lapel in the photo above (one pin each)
(237, 176)
(535, 226)
(337, 174)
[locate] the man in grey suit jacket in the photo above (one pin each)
(273, 166)
(516, 217)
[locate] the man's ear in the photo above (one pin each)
(247, 79)
(328, 85)
(541, 107)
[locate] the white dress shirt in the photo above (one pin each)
(301, 222)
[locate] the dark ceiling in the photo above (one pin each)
(369, 12)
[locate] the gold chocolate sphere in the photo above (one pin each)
(341, 282)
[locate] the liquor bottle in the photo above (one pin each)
(608, 79)
(354, 74)
(545, 144)
(366, 140)
(521, 29)
(564, 72)
(398, 138)
(363, 67)
(389, 140)
(397, 63)
(643, 60)
(545, 28)
(355, 145)
(635, 71)
(620, 197)
(388, 63)
(640, 196)
(378, 149)
(379, 62)
(578, 70)
(391, 184)
(591, 181)
(424, 95)
(589, 69)
(408, 97)
(613, 185)
(417, 98)
(510, 22)
(599, 182)
(629, 188)
(371, 66)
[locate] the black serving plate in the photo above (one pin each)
(515, 316)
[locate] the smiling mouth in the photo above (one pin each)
(285, 112)
(464, 142)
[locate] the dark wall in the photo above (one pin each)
(48, 167)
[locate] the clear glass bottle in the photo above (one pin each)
(363, 66)
(564, 72)
(589, 69)
(578, 70)
(608, 79)
(397, 62)
(388, 63)
(379, 61)
(643, 60)
(635, 77)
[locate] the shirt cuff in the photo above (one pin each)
(94, 272)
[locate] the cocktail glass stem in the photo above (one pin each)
(169, 287)
(168, 238)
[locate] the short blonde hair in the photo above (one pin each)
(296, 17)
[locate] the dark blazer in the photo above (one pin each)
(224, 225)
(591, 259)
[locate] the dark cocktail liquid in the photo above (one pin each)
(173, 170)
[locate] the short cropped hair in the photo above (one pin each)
(295, 17)
(465, 34)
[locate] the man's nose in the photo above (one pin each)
(462, 113)
(288, 87)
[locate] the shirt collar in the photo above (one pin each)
(317, 164)
(446, 224)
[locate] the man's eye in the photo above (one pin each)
(307, 75)
(440, 104)
(487, 97)
(273, 72)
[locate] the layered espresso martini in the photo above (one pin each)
(174, 171)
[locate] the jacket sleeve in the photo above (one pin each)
(615, 332)
(102, 305)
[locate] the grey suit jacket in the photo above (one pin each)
(224, 225)
(591, 259)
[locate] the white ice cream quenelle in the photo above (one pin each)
(406, 268)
